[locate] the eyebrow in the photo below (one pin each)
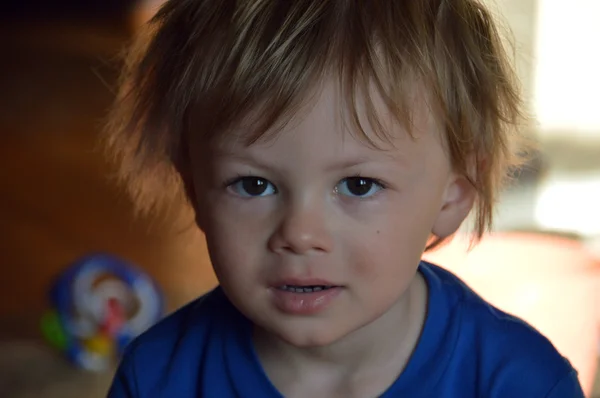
(399, 161)
(336, 165)
(349, 163)
(249, 160)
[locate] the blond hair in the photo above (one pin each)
(201, 66)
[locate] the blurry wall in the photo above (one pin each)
(61, 9)
(57, 202)
(567, 71)
(519, 22)
(558, 60)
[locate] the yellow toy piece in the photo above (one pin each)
(100, 345)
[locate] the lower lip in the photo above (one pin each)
(304, 303)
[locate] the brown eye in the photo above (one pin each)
(253, 186)
(358, 187)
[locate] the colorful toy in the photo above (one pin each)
(98, 306)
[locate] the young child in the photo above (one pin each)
(325, 145)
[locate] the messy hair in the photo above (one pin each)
(202, 66)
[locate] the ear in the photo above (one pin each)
(199, 212)
(459, 198)
(200, 222)
(191, 195)
(190, 187)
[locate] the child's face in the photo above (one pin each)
(316, 206)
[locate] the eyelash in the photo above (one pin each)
(237, 178)
(375, 180)
(240, 176)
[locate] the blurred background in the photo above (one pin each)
(58, 203)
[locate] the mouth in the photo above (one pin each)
(304, 297)
(305, 289)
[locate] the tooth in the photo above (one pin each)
(318, 289)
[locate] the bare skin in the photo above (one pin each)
(326, 205)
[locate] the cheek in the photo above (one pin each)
(384, 253)
(382, 268)
(391, 244)
(234, 242)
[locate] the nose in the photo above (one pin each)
(301, 230)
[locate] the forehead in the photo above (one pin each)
(327, 119)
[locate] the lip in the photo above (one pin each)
(302, 282)
(293, 303)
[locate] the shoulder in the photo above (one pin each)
(511, 357)
(178, 339)
(514, 356)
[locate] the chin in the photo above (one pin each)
(309, 341)
(309, 337)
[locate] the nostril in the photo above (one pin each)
(301, 232)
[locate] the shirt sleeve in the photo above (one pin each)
(124, 381)
(567, 387)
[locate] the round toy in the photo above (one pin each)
(99, 305)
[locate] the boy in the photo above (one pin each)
(324, 145)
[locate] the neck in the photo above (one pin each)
(387, 342)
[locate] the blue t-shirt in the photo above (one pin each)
(467, 349)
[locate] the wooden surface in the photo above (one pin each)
(57, 201)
